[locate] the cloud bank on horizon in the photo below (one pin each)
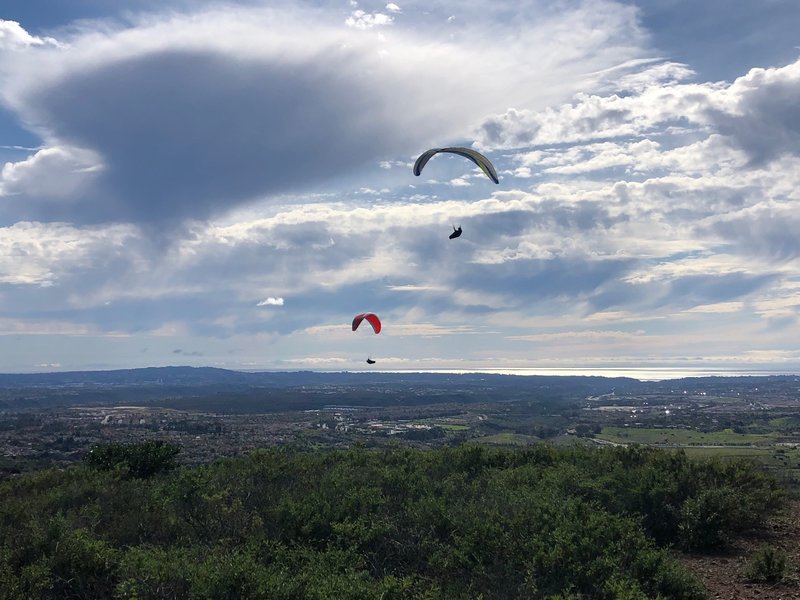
(235, 181)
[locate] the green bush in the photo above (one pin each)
(134, 460)
(705, 519)
(463, 522)
(767, 565)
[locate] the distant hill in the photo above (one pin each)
(217, 389)
(145, 376)
(210, 376)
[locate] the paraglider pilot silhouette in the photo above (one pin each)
(456, 232)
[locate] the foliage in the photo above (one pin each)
(767, 565)
(461, 522)
(134, 460)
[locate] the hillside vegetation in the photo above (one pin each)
(463, 522)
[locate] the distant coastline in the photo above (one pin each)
(640, 373)
(200, 374)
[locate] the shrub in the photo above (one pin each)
(134, 460)
(767, 565)
(706, 518)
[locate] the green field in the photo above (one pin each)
(508, 439)
(785, 422)
(450, 427)
(760, 454)
(781, 461)
(668, 436)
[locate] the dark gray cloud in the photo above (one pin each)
(547, 215)
(766, 123)
(678, 293)
(187, 353)
(694, 290)
(526, 281)
(186, 134)
(763, 233)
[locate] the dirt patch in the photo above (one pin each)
(723, 574)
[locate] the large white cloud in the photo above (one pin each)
(52, 175)
(755, 115)
(40, 254)
(191, 114)
(14, 37)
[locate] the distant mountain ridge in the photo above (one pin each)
(218, 390)
(140, 376)
(212, 376)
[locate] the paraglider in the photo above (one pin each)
(456, 232)
(371, 318)
(479, 159)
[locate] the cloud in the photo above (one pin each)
(186, 353)
(52, 177)
(760, 113)
(755, 115)
(641, 221)
(43, 327)
(271, 302)
(718, 307)
(362, 20)
(14, 37)
(414, 288)
(588, 335)
(191, 115)
(643, 104)
(429, 330)
(42, 254)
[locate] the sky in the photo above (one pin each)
(228, 183)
